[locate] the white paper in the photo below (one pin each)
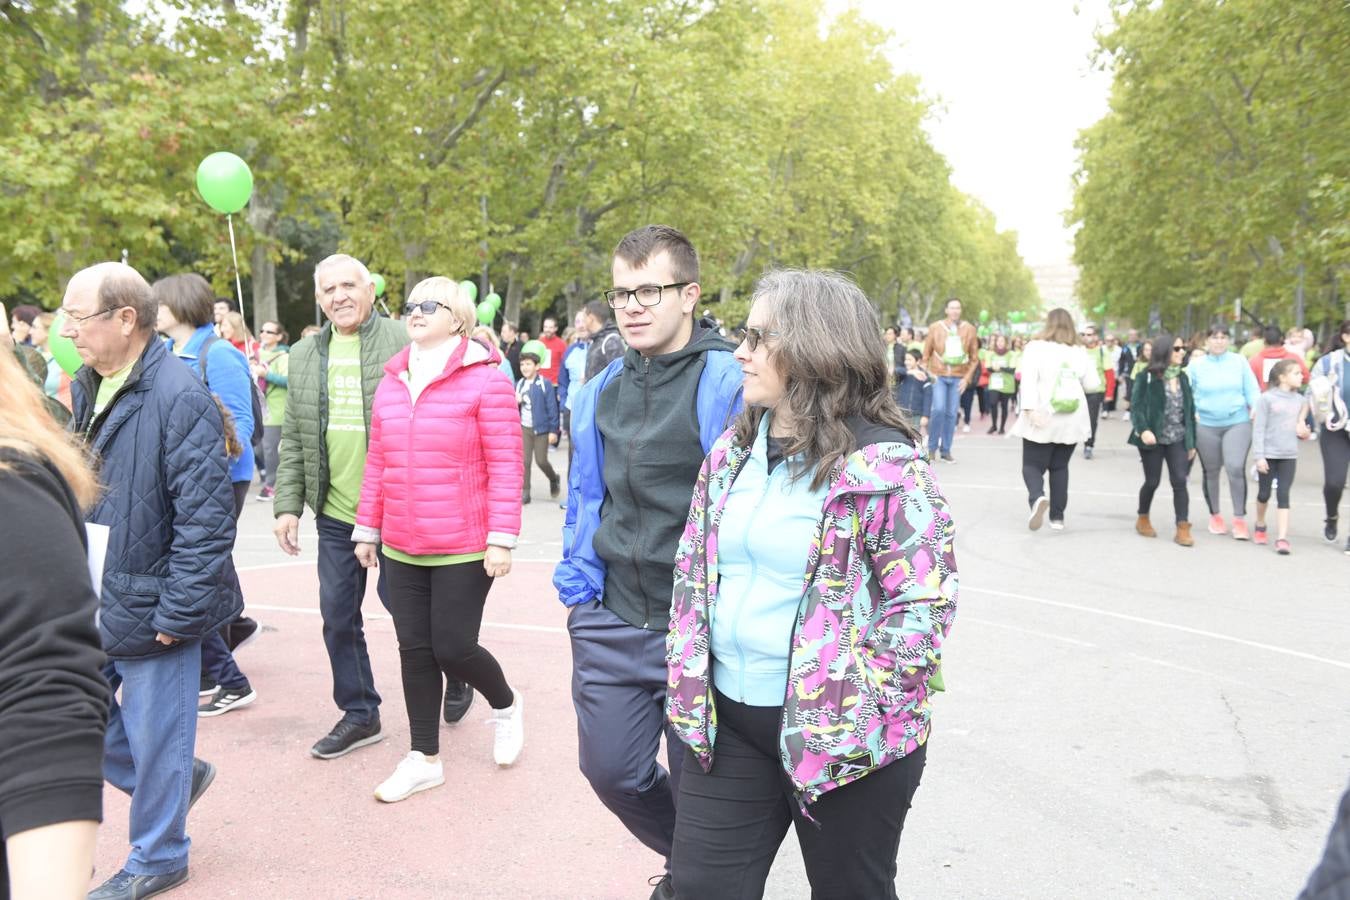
(98, 553)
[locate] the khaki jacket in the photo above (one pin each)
(937, 340)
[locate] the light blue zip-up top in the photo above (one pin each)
(1224, 388)
(764, 539)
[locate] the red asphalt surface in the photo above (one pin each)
(280, 823)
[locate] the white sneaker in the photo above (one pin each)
(1038, 510)
(965, 429)
(510, 737)
(413, 774)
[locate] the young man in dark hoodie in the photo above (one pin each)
(642, 427)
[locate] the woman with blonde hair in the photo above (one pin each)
(441, 492)
(1056, 376)
(814, 586)
(234, 330)
(54, 701)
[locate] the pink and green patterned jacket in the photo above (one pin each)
(878, 600)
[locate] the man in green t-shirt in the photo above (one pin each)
(1097, 355)
(331, 381)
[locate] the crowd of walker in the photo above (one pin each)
(791, 669)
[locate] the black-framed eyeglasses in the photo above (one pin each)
(77, 321)
(269, 331)
(1178, 348)
(428, 307)
(752, 336)
(646, 294)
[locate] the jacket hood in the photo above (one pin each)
(469, 353)
(879, 464)
(703, 340)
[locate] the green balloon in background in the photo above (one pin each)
(471, 288)
(379, 283)
(984, 315)
(1099, 308)
(225, 182)
(486, 313)
(539, 350)
(63, 348)
(495, 299)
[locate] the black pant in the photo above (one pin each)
(1280, 471)
(1094, 410)
(217, 661)
(968, 401)
(1177, 469)
(733, 819)
(998, 405)
(437, 612)
(536, 444)
(1335, 446)
(1037, 459)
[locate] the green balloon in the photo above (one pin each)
(486, 313)
(224, 182)
(539, 350)
(63, 348)
(1099, 308)
(471, 288)
(984, 315)
(379, 283)
(495, 299)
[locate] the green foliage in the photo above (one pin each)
(1221, 170)
(512, 142)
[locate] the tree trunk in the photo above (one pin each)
(515, 292)
(262, 218)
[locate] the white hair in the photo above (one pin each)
(339, 259)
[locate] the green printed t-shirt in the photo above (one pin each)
(275, 412)
(346, 437)
(110, 385)
(442, 560)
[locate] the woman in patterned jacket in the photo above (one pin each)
(814, 585)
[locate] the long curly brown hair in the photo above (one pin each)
(829, 350)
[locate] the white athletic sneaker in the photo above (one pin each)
(413, 774)
(965, 429)
(510, 737)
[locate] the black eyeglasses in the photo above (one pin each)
(646, 294)
(751, 337)
(269, 331)
(1178, 348)
(428, 307)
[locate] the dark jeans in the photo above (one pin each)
(733, 819)
(1282, 474)
(1094, 402)
(998, 409)
(536, 445)
(1177, 468)
(270, 446)
(217, 660)
(438, 611)
(1335, 447)
(1037, 460)
(619, 691)
(342, 586)
(968, 401)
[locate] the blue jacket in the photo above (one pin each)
(580, 577)
(168, 502)
(232, 382)
(543, 405)
(1224, 388)
(572, 372)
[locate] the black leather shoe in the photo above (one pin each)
(203, 773)
(458, 699)
(126, 886)
(347, 736)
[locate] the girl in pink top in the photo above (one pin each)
(442, 493)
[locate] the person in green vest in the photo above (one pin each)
(331, 381)
(999, 361)
(1099, 358)
(270, 369)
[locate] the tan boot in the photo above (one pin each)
(1144, 527)
(1184, 535)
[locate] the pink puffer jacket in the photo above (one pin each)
(444, 476)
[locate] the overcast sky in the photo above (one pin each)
(1016, 85)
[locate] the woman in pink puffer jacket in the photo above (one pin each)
(442, 493)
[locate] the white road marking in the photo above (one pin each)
(376, 617)
(1031, 631)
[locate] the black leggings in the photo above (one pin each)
(1177, 469)
(1335, 446)
(1281, 471)
(1037, 459)
(998, 404)
(732, 820)
(437, 612)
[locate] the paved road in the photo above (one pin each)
(1125, 718)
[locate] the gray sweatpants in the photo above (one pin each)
(1224, 450)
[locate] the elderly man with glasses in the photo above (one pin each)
(168, 579)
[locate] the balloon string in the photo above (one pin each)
(239, 288)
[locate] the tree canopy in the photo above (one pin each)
(510, 142)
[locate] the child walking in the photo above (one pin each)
(539, 422)
(912, 389)
(1280, 424)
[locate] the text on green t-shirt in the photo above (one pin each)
(346, 437)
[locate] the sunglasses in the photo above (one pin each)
(428, 307)
(1178, 348)
(752, 337)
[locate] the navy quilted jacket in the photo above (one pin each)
(168, 502)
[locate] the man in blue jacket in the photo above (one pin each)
(168, 579)
(642, 427)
